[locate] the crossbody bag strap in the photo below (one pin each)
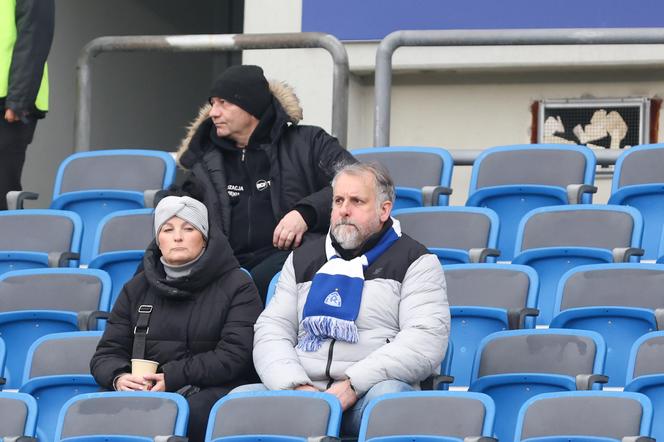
(141, 331)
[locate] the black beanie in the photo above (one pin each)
(244, 86)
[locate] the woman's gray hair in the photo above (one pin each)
(384, 185)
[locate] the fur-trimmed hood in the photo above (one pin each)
(283, 92)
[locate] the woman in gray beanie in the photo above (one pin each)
(193, 310)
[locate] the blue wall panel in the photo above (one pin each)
(374, 19)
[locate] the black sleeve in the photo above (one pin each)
(113, 353)
(232, 356)
(328, 157)
(34, 33)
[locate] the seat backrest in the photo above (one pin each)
(44, 231)
(626, 285)
(60, 354)
(18, 414)
(435, 413)
(639, 165)
(433, 165)
(285, 413)
(450, 227)
(136, 413)
(545, 164)
(563, 352)
(120, 169)
(490, 285)
(587, 413)
(647, 356)
(600, 226)
(55, 289)
(124, 230)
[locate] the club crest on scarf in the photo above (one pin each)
(335, 295)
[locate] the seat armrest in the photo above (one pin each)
(87, 320)
(586, 381)
(623, 254)
(61, 259)
(170, 439)
(659, 318)
(19, 439)
(575, 192)
(479, 439)
(434, 381)
(638, 439)
(323, 439)
(516, 317)
(479, 255)
(15, 198)
(430, 194)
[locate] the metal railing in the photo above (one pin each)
(211, 43)
(515, 37)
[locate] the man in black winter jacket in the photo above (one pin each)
(266, 180)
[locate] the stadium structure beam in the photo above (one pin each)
(210, 43)
(511, 37)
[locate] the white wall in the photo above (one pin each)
(458, 98)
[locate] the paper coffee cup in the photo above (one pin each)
(139, 367)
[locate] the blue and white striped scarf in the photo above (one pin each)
(334, 298)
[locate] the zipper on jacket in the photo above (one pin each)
(243, 151)
(330, 353)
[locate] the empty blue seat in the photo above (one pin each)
(638, 181)
(137, 416)
(274, 416)
(18, 415)
(513, 366)
(486, 298)
(457, 235)
(622, 302)
(58, 368)
(645, 374)
(427, 416)
(34, 303)
(584, 416)
(422, 175)
(513, 180)
(556, 239)
(37, 238)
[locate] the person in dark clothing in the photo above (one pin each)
(26, 33)
(200, 307)
(266, 178)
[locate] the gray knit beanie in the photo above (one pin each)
(185, 208)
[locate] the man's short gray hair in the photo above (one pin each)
(384, 185)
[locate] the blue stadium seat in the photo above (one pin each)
(18, 415)
(427, 416)
(34, 303)
(422, 175)
(58, 368)
(638, 181)
(137, 416)
(272, 288)
(274, 416)
(513, 366)
(513, 180)
(486, 298)
(645, 374)
(622, 302)
(556, 239)
(37, 238)
(584, 416)
(94, 184)
(457, 235)
(120, 244)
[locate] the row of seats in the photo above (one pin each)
(296, 416)
(513, 180)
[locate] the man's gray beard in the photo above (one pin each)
(347, 235)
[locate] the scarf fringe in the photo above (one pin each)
(318, 328)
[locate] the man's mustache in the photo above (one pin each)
(345, 222)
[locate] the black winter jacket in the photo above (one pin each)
(303, 160)
(201, 326)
